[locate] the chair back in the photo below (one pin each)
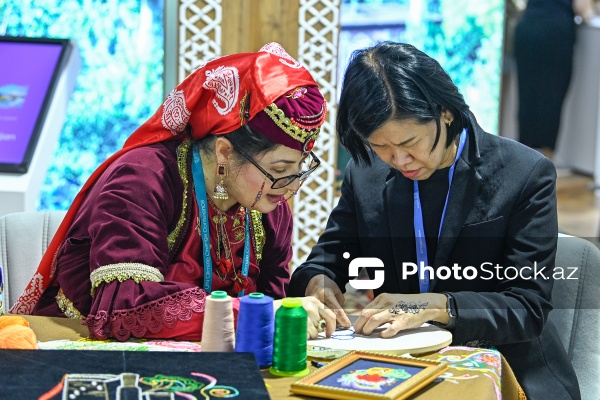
(24, 237)
(576, 312)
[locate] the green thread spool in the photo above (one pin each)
(289, 343)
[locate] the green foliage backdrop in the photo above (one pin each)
(119, 86)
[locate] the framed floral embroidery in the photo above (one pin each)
(366, 375)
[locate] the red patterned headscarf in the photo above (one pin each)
(268, 89)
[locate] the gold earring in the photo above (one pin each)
(220, 191)
(448, 122)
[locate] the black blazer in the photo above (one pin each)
(501, 218)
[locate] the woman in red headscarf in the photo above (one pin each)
(195, 201)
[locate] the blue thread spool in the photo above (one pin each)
(289, 344)
(255, 328)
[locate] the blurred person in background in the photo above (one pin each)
(543, 49)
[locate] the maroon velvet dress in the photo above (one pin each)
(131, 263)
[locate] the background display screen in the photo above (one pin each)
(28, 73)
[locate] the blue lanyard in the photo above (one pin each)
(200, 189)
(421, 244)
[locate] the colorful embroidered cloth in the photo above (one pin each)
(488, 375)
(63, 374)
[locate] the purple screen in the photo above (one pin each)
(26, 71)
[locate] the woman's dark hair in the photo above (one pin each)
(394, 82)
(252, 143)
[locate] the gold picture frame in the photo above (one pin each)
(366, 375)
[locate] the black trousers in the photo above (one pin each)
(543, 49)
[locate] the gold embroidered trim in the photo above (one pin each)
(182, 155)
(137, 271)
(244, 107)
(66, 306)
(278, 116)
(259, 233)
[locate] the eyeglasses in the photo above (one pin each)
(284, 181)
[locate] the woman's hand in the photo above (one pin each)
(402, 311)
(328, 292)
(317, 313)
